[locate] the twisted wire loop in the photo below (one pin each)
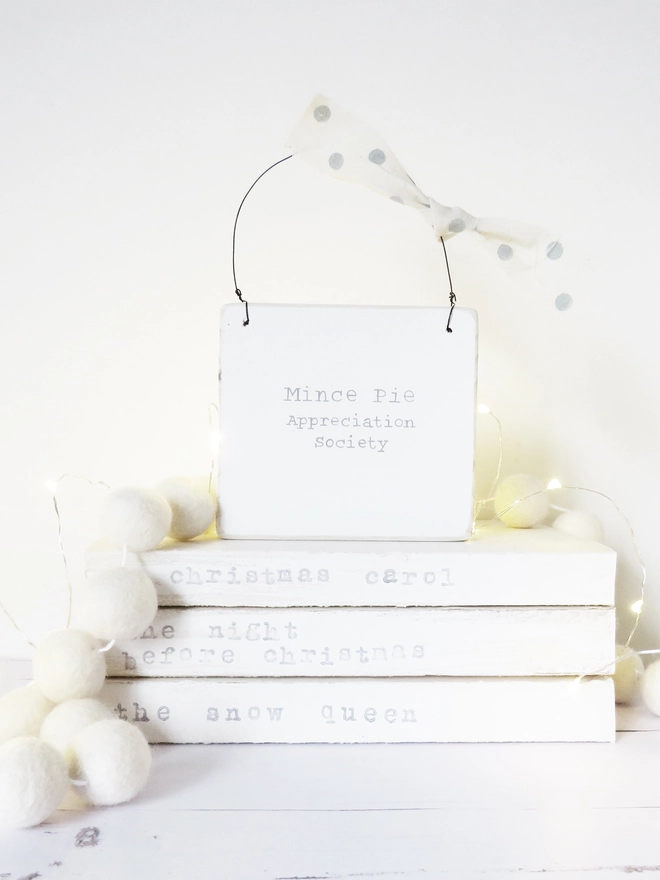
(452, 295)
(452, 304)
(245, 303)
(237, 289)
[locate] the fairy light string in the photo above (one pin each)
(605, 670)
(482, 409)
(553, 486)
(633, 537)
(52, 486)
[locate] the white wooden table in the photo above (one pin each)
(277, 812)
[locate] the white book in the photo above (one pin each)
(498, 566)
(366, 710)
(366, 642)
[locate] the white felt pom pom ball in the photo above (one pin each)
(67, 665)
(581, 524)
(651, 687)
(627, 675)
(118, 603)
(69, 718)
(193, 508)
(33, 780)
(22, 712)
(113, 759)
(524, 514)
(135, 518)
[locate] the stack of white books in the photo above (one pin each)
(485, 640)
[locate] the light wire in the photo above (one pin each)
(60, 540)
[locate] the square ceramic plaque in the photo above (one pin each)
(347, 422)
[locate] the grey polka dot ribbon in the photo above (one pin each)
(337, 143)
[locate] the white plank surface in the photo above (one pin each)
(405, 812)
(366, 710)
(284, 812)
(497, 566)
(347, 421)
(370, 642)
(420, 844)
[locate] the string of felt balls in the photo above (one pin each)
(54, 732)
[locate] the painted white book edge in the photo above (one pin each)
(498, 566)
(366, 710)
(17, 671)
(369, 642)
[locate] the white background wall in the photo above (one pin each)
(132, 128)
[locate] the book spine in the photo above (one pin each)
(370, 642)
(230, 576)
(366, 710)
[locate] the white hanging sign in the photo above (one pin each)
(347, 422)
